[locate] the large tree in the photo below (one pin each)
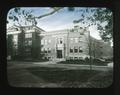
(100, 17)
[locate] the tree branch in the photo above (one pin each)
(50, 13)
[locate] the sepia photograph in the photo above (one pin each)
(60, 47)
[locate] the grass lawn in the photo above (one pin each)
(73, 78)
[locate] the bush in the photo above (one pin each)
(85, 62)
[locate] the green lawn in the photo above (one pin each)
(73, 78)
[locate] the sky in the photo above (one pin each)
(63, 19)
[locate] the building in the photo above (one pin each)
(31, 41)
(65, 44)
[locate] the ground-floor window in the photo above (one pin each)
(75, 58)
(71, 50)
(71, 58)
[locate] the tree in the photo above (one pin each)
(100, 17)
(89, 17)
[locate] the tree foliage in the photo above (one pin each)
(100, 17)
(22, 16)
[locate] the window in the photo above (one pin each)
(29, 42)
(49, 50)
(49, 41)
(45, 50)
(49, 57)
(75, 58)
(42, 49)
(29, 28)
(28, 35)
(76, 40)
(75, 50)
(80, 50)
(16, 46)
(61, 41)
(16, 29)
(71, 39)
(45, 42)
(81, 33)
(80, 58)
(71, 58)
(27, 49)
(42, 42)
(71, 50)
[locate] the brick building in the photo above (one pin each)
(64, 44)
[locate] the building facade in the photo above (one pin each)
(65, 44)
(27, 43)
(73, 44)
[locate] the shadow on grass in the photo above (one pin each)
(69, 78)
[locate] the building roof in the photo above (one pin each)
(16, 29)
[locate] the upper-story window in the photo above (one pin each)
(45, 42)
(49, 50)
(28, 35)
(76, 40)
(42, 42)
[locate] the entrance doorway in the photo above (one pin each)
(59, 53)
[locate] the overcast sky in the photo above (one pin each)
(63, 19)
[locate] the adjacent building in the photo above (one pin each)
(30, 44)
